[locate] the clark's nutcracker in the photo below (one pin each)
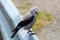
(27, 22)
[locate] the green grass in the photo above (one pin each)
(45, 15)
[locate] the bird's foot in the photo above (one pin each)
(31, 33)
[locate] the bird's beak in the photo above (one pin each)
(37, 13)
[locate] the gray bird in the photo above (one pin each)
(27, 22)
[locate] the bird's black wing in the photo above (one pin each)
(26, 22)
(21, 24)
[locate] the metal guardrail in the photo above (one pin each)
(9, 17)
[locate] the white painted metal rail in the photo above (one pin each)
(9, 17)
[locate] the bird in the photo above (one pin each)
(28, 21)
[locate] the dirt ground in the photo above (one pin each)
(52, 30)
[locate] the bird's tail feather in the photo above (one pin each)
(13, 30)
(14, 33)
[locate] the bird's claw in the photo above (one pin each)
(31, 33)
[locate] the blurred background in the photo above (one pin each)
(47, 26)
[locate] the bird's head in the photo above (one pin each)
(34, 11)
